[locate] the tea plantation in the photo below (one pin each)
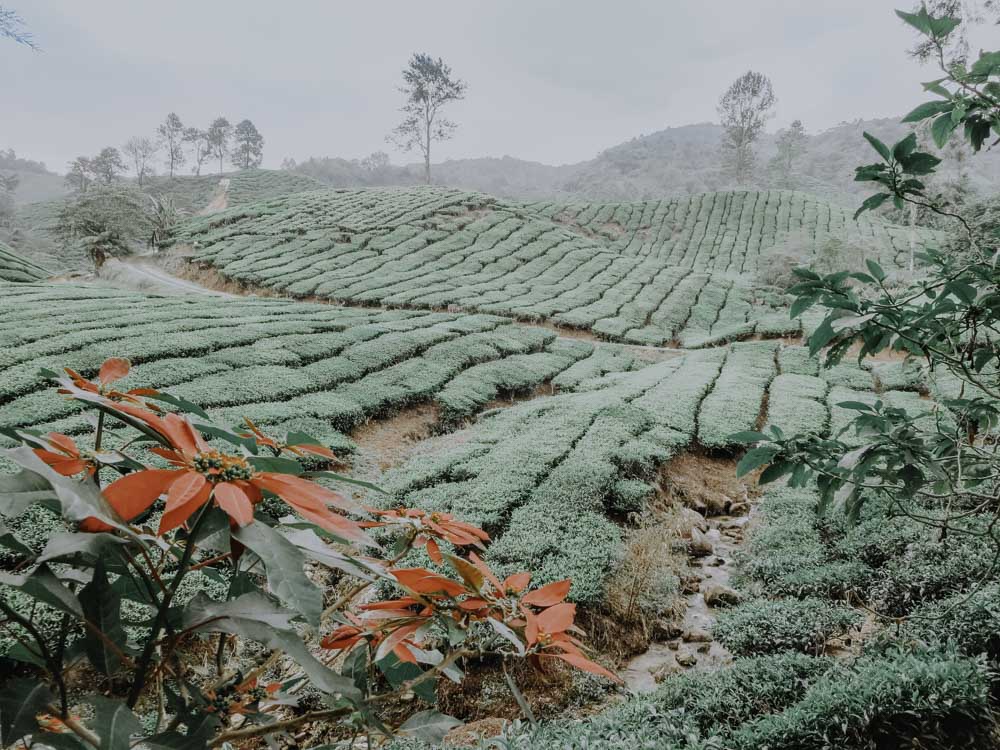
(275, 361)
(14, 267)
(676, 272)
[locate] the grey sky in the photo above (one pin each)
(549, 80)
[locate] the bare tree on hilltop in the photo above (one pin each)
(429, 86)
(219, 133)
(171, 134)
(743, 110)
(201, 146)
(140, 150)
(248, 145)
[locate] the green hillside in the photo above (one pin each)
(659, 272)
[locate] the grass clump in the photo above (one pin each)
(763, 626)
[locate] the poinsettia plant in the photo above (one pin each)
(121, 643)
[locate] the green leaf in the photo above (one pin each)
(181, 404)
(102, 607)
(276, 464)
(21, 490)
(342, 478)
(253, 616)
(928, 109)
(70, 544)
(875, 270)
(20, 701)
(920, 20)
(749, 436)
(775, 471)
(76, 499)
(920, 163)
(285, 567)
(41, 584)
(755, 458)
(430, 726)
(114, 723)
(876, 144)
(871, 203)
(905, 147)
(941, 130)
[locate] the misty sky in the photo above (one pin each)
(549, 80)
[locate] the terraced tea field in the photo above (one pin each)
(727, 231)
(547, 477)
(14, 267)
(679, 271)
(276, 361)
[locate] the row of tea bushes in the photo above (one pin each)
(16, 268)
(437, 248)
(271, 360)
(728, 231)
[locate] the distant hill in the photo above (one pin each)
(676, 161)
(35, 181)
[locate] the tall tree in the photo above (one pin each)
(744, 109)
(140, 150)
(791, 144)
(219, 133)
(171, 133)
(201, 147)
(107, 166)
(11, 27)
(248, 145)
(79, 174)
(429, 86)
(8, 185)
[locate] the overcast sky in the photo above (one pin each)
(554, 81)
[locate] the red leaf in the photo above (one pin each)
(557, 618)
(113, 369)
(548, 595)
(517, 582)
(134, 493)
(235, 502)
(172, 519)
(434, 551)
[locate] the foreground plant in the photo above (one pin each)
(940, 467)
(112, 632)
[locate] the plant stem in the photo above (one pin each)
(161, 614)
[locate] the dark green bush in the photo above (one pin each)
(762, 626)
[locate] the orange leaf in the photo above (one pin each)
(557, 618)
(485, 570)
(65, 442)
(172, 519)
(134, 493)
(423, 581)
(548, 595)
(113, 369)
(185, 487)
(235, 502)
(582, 662)
(517, 582)
(434, 551)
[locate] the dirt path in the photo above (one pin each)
(142, 273)
(220, 199)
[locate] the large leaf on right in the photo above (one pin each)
(285, 565)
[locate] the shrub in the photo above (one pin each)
(763, 626)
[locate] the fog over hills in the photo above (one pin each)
(674, 161)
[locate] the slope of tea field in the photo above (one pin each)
(546, 477)
(652, 273)
(274, 361)
(14, 267)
